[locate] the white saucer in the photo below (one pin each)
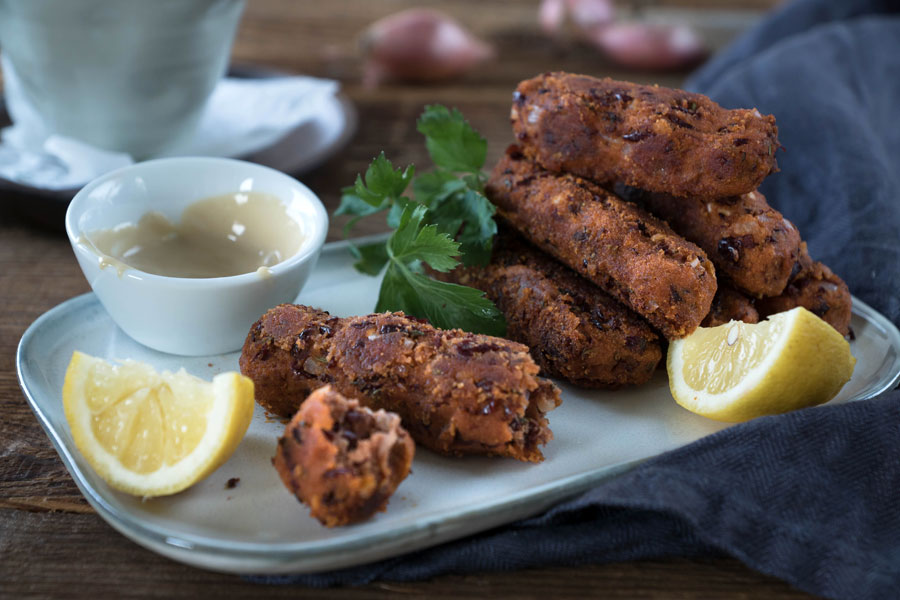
(314, 142)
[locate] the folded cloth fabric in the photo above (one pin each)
(809, 497)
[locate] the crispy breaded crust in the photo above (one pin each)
(341, 459)
(730, 305)
(816, 289)
(630, 254)
(456, 392)
(653, 138)
(574, 329)
(747, 240)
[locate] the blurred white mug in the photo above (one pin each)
(124, 75)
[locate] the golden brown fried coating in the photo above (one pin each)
(574, 329)
(341, 459)
(456, 392)
(627, 252)
(653, 138)
(816, 289)
(748, 241)
(730, 305)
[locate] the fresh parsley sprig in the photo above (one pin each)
(448, 217)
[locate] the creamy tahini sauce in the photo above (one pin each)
(226, 235)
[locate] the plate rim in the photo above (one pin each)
(320, 555)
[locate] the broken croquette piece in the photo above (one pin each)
(456, 392)
(341, 459)
(653, 138)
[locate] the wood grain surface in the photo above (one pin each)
(52, 544)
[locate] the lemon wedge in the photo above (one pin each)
(149, 433)
(738, 371)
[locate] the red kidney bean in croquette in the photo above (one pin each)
(627, 252)
(574, 329)
(456, 392)
(654, 138)
(341, 459)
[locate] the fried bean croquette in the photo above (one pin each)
(341, 459)
(730, 305)
(627, 252)
(456, 392)
(653, 138)
(816, 289)
(748, 241)
(574, 329)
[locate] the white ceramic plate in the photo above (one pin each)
(258, 527)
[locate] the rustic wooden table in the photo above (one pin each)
(52, 544)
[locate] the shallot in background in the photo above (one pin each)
(419, 45)
(426, 45)
(634, 44)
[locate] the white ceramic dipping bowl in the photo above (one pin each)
(179, 315)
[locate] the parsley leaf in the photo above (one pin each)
(383, 186)
(449, 218)
(383, 181)
(371, 258)
(415, 241)
(451, 142)
(382, 189)
(351, 204)
(445, 305)
(467, 215)
(432, 187)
